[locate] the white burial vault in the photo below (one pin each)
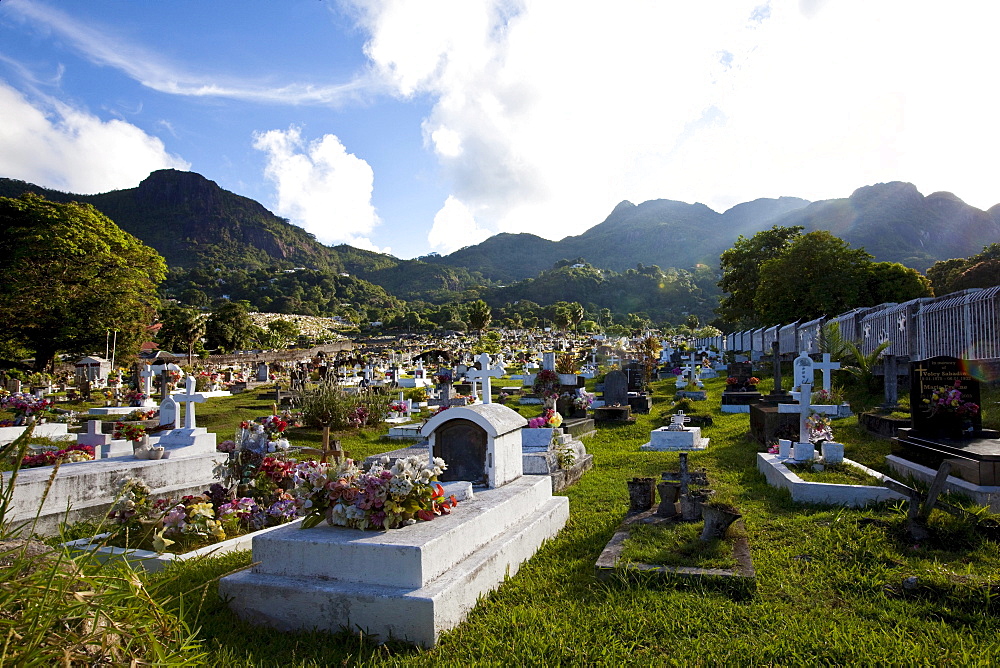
(415, 582)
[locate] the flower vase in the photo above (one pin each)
(717, 521)
(641, 494)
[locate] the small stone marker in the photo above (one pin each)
(93, 436)
(802, 371)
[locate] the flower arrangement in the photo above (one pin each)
(382, 498)
(443, 378)
(24, 405)
(139, 414)
(948, 400)
(678, 371)
(502, 398)
(135, 397)
(826, 397)
(130, 432)
(548, 419)
(397, 407)
(546, 382)
(274, 426)
(819, 427)
(583, 399)
(72, 453)
(192, 521)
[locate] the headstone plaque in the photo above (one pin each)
(462, 444)
(634, 372)
(615, 389)
(941, 374)
(742, 372)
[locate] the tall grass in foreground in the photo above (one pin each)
(55, 610)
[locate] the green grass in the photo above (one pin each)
(829, 580)
(677, 544)
(835, 474)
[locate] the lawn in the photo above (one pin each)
(830, 581)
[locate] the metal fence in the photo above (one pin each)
(963, 324)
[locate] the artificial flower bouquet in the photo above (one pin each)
(69, 454)
(385, 497)
(129, 432)
(548, 419)
(949, 400)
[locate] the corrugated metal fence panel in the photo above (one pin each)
(770, 336)
(809, 335)
(876, 326)
(757, 344)
(788, 341)
(964, 325)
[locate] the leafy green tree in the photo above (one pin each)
(69, 274)
(741, 266)
(892, 282)
(479, 315)
(981, 270)
(182, 329)
(576, 313)
(818, 274)
(488, 343)
(229, 327)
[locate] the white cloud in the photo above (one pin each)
(455, 227)
(68, 149)
(548, 113)
(320, 186)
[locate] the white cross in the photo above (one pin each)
(485, 374)
(805, 399)
(189, 398)
(147, 380)
(826, 366)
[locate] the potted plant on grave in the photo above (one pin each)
(567, 369)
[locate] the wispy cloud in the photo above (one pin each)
(103, 47)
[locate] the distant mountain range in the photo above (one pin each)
(194, 223)
(892, 221)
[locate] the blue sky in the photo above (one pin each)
(426, 125)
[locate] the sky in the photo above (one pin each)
(418, 126)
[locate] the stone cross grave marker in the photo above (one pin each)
(485, 374)
(93, 436)
(189, 399)
(805, 409)
(826, 366)
(147, 380)
(615, 389)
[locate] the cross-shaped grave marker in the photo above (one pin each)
(189, 399)
(826, 366)
(93, 436)
(485, 374)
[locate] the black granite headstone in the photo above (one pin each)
(635, 372)
(939, 375)
(742, 372)
(615, 389)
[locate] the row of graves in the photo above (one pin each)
(494, 515)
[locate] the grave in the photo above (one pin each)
(675, 436)
(740, 395)
(549, 456)
(85, 490)
(615, 389)
(189, 439)
(946, 435)
(777, 395)
(417, 581)
(854, 496)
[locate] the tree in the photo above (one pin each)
(892, 282)
(818, 274)
(479, 315)
(741, 267)
(229, 327)
(69, 274)
(181, 328)
(576, 313)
